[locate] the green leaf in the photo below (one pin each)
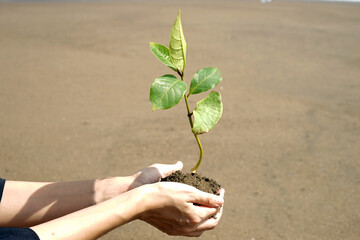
(166, 92)
(162, 53)
(177, 45)
(207, 113)
(204, 80)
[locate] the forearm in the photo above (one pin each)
(31, 203)
(94, 221)
(167, 206)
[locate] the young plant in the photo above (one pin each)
(167, 90)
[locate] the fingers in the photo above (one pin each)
(154, 173)
(207, 199)
(203, 212)
(209, 216)
(166, 169)
(174, 230)
(187, 219)
(222, 194)
(207, 224)
(183, 230)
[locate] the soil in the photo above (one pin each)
(194, 179)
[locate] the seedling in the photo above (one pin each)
(167, 90)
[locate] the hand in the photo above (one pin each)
(154, 173)
(170, 208)
(108, 188)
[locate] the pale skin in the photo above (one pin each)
(90, 209)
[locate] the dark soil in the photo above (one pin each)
(194, 179)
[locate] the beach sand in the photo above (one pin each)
(74, 104)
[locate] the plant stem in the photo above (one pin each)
(200, 156)
(193, 170)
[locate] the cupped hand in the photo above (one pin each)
(179, 209)
(154, 173)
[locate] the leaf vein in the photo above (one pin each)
(203, 81)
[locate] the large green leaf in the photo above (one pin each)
(207, 113)
(162, 53)
(204, 80)
(166, 92)
(177, 45)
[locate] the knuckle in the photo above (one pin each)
(182, 221)
(197, 221)
(208, 201)
(194, 220)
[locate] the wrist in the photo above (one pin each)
(148, 200)
(108, 188)
(137, 203)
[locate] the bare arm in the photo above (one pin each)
(89, 209)
(27, 204)
(168, 206)
(91, 222)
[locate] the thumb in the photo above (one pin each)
(167, 169)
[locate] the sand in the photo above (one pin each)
(74, 85)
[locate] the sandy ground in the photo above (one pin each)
(74, 85)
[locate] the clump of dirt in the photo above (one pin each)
(194, 179)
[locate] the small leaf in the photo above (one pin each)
(204, 80)
(177, 45)
(207, 113)
(166, 92)
(162, 53)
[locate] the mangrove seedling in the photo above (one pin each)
(167, 91)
